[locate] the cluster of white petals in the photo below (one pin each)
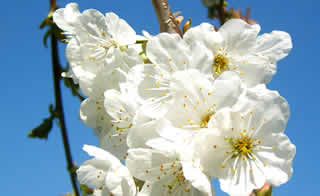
(174, 112)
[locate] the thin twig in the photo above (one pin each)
(59, 106)
(165, 18)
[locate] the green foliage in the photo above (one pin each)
(42, 131)
(52, 30)
(68, 82)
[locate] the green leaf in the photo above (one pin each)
(45, 37)
(45, 23)
(53, 29)
(68, 82)
(42, 131)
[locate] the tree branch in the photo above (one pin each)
(58, 104)
(221, 12)
(165, 17)
(59, 108)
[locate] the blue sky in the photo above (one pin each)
(36, 167)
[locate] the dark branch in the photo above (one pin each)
(59, 108)
(165, 17)
(221, 12)
(58, 104)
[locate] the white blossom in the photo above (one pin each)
(236, 47)
(92, 110)
(188, 104)
(180, 110)
(245, 146)
(121, 110)
(177, 68)
(110, 111)
(94, 38)
(105, 174)
(166, 171)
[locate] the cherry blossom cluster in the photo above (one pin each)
(175, 112)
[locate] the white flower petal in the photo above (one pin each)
(80, 65)
(92, 113)
(88, 113)
(144, 129)
(201, 58)
(120, 183)
(115, 143)
(92, 173)
(122, 110)
(242, 182)
(120, 30)
(67, 18)
(275, 45)
(221, 120)
(205, 34)
(100, 154)
(150, 189)
(105, 80)
(180, 137)
(252, 70)
(226, 89)
(210, 149)
(167, 147)
(93, 22)
(98, 192)
(240, 35)
(118, 105)
(198, 179)
(152, 85)
(168, 49)
(144, 164)
(278, 161)
(106, 173)
(271, 110)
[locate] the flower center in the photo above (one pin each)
(178, 181)
(108, 44)
(99, 50)
(220, 64)
(243, 145)
(205, 119)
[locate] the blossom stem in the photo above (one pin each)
(165, 17)
(59, 107)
